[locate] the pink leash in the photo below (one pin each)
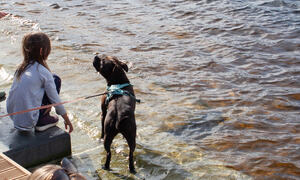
(50, 105)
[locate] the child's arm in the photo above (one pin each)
(53, 96)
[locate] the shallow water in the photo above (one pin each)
(219, 82)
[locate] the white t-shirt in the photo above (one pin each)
(27, 93)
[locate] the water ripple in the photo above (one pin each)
(219, 80)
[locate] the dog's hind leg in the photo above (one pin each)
(130, 138)
(108, 138)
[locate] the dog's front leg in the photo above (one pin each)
(104, 110)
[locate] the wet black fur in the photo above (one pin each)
(118, 115)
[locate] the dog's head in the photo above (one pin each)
(110, 67)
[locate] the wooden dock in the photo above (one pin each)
(10, 170)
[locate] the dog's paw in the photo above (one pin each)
(132, 171)
(106, 168)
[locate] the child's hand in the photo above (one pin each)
(67, 123)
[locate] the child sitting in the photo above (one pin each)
(34, 85)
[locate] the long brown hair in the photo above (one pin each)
(54, 172)
(36, 47)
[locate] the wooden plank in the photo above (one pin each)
(10, 170)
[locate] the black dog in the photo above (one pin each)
(117, 106)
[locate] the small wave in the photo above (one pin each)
(124, 32)
(199, 128)
(91, 44)
(278, 3)
(86, 127)
(81, 14)
(181, 35)
(146, 49)
(4, 76)
(20, 21)
(35, 11)
(295, 96)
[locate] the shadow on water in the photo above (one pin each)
(155, 165)
(197, 128)
(121, 176)
(150, 164)
(89, 170)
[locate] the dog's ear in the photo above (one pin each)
(96, 63)
(124, 66)
(121, 64)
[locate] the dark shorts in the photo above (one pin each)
(46, 100)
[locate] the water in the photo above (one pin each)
(219, 82)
